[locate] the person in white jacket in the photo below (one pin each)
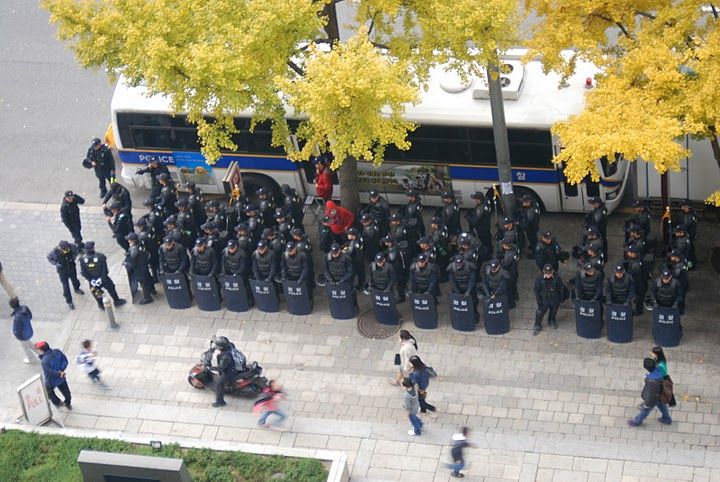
(86, 360)
(408, 349)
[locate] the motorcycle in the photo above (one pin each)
(246, 382)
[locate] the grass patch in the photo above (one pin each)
(32, 457)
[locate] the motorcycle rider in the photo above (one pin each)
(226, 369)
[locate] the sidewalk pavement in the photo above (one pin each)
(550, 407)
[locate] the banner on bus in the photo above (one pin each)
(430, 179)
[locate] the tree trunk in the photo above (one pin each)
(347, 173)
(331, 28)
(500, 135)
(715, 145)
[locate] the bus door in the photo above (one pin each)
(576, 197)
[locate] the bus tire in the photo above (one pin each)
(252, 182)
(521, 191)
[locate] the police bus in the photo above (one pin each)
(452, 147)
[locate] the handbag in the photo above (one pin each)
(431, 372)
(397, 359)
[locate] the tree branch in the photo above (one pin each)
(380, 46)
(623, 29)
(646, 14)
(714, 10)
(295, 67)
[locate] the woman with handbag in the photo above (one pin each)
(667, 384)
(408, 349)
(420, 376)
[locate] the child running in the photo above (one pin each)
(268, 405)
(88, 364)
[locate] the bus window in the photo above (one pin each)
(609, 168)
(591, 187)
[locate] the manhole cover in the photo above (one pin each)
(370, 328)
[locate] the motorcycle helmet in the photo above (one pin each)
(221, 342)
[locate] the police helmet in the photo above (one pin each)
(163, 177)
(297, 232)
(477, 195)
(424, 240)
(131, 237)
(352, 231)
(366, 217)
(436, 220)
(459, 259)
(279, 213)
(679, 228)
(588, 267)
(172, 219)
(395, 217)
(447, 195)
(373, 193)
(168, 240)
(64, 245)
(69, 193)
(241, 227)
(181, 203)
(494, 264)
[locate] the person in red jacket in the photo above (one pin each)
(339, 218)
(323, 180)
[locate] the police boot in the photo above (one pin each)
(553, 323)
(537, 328)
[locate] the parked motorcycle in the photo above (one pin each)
(246, 382)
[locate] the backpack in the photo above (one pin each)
(666, 391)
(238, 358)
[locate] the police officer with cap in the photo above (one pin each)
(382, 274)
(548, 251)
(295, 266)
(266, 205)
(620, 289)
(292, 205)
(462, 276)
(635, 267)
(155, 169)
(93, 267)
(168, 195)
(549, 291)
(100, 159)
(495, 279)
(678, 265)
(397, 258)
(264, 263)
(173, 257)
(424, 277)
(479, 219)
(118, 194)
(440, 240)
(355, 249)
(379, 209)
(121, 224)
(529, 221)
(63, 258)
(70, 215)
(412, 213)
(509, 230)
(136, 263)
(509, 258)
(639, 218)
(338, 266)
(681, 241)
(196, 202)
(234, 260)
(598, 217)
(449, 212)
(185, 220)
(589, 283)
(688, 220)
(667, 291)
(203, 261)
(371, 235)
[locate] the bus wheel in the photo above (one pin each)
(253, 182)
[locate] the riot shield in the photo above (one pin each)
(177, 291)
(385, 308)
(619, 320)
(341, 299)
(234, 293)
(497, 318)
(463, 315)
(588, 319)
(667, 329)
(132, 283)
(424, 311)
(265, 296)
(297, 298)
(207, 293)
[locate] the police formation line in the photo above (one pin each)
(250, 252)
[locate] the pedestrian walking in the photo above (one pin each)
(63, 258)
(268, 405)
(54, 363)
(420, 376)
(412, 406)
(408, 349)
(659, 356)
(651, 396)
(70, 215)
(22, 328)
(459, 443)
(87, 359)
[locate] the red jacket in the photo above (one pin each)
(339, 221)
(324, 184)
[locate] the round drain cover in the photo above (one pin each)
(369, 327)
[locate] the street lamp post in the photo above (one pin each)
(502, 145)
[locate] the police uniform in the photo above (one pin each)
(549, 293)
(173, 259)
(529, 217)
(136, 262)
(63, 258)
(100, 158)
(155, 169)
(379, 209)
(70, 215)
(93, 267)
(203, 262)
(479, 219)
(620, 291)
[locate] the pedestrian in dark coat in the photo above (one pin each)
(22, 328)
(54, 363)
(70, 215)
(420, 376)
(63, 258)
(650, 395)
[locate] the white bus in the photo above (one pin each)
(452, 148)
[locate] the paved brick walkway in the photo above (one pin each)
(551, 407)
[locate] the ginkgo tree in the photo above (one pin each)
(659, 60)
(220, 57)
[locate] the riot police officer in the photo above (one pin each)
(338, 266)
(264, 263)
(155, 169)
(529, 221)
(136, 263)
(266, 207)
(355, 250)
(620, 289)
(479, 219)
(186, 221)
(667, 291)
(449, 212)
(216, 214)
(295, 266)
(640, 218)
(292, 205)
(168, 195)
(121, 225)
(284, 225)
(172, 230)
(424, 278)
(196, 203)
(397, 258)
(93, 267)
(253, 222)
(589, 283)
(150, 242)
(634, 237)
(681, 242)
(173, 257)
(100, 159)
(688, 221)
(469, 253)
(63, 258)
(549, 293)
(509, 230)
(399, 231)
(462, 276)
(634, 265)
(234, 260)
(118, 194)
(203, 261)
(371, 236)
(510, 256)
(245, 240)
(382, 274)
(495, 279)
(154, 217)
(70, 215)
(379, 209)
(678, 266)
(548, 251)
(598, 217)
(412, 213)
(440, 240)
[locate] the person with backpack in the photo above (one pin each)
(420, 376)
(22, 329)
(667, 396)
(225, 367)
(267, 405)
(651, 396)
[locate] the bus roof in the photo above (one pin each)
(540, 103)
